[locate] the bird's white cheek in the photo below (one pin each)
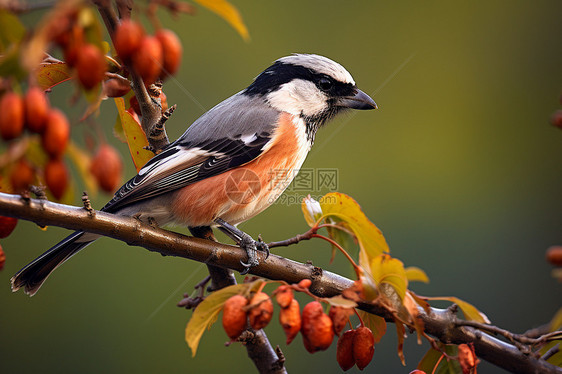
(298, 96)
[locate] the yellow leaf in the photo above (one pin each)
(82, 162)
(207, 312)
(385, 269)
(229, 13)
(415, 274)
(342, 207)
(136, 139)
(469, 310)
(50, 74)
(375, 323)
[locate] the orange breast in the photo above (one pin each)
(241, 193)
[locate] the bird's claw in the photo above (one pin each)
(251, 247)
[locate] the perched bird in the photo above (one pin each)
(226, 167)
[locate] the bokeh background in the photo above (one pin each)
(459, 167)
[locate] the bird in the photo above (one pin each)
(225, 168)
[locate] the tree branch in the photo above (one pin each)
(443, 324)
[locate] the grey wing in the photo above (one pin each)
(231, 134)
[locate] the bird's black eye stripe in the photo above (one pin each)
(280, 73)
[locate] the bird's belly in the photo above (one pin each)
(239, 194)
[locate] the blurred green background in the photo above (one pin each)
(459, 167)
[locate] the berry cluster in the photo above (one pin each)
(33, 112)
(152, 57)
(86, 58)
(355, 347)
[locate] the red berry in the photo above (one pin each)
(344, 351)
(2, 258)
(234, 316)
(261, 313)
(363, 347)
(147, 61)
(36, 109)
(556, 119)
(72, 47)
(171, 51)
(91, 66)
(284, 296)
(7, 225)
(305, 283)
(554, 255)
(290, 320)
(107, 168)
(56, 177)
(317, 328)
(11, 115)
(23, 176)
(56, 134)
(127, 39)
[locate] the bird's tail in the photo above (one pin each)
(32, 276)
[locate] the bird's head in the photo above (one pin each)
(310, 86)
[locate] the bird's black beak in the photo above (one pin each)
(360, 101)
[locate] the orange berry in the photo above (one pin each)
(107, 168)
(284, 296)
(290, 320)
(261, 312)
(417, 371)
(36, 109)
(317, 328)
(147, 61)
(11, 115)
(234, 316)
(344, 350)
(554, 255)
(7, 225)
(305, 283)
(22, 176)
(72, 47)
(56, 134)
(363, 347)
(56, 177)
(91, 66)
(172, 51)
(128, 38)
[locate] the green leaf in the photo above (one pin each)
(207, 312)
(12, 30)
(136, 139)
(469, 310)
(415, 274)
(229, 13)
